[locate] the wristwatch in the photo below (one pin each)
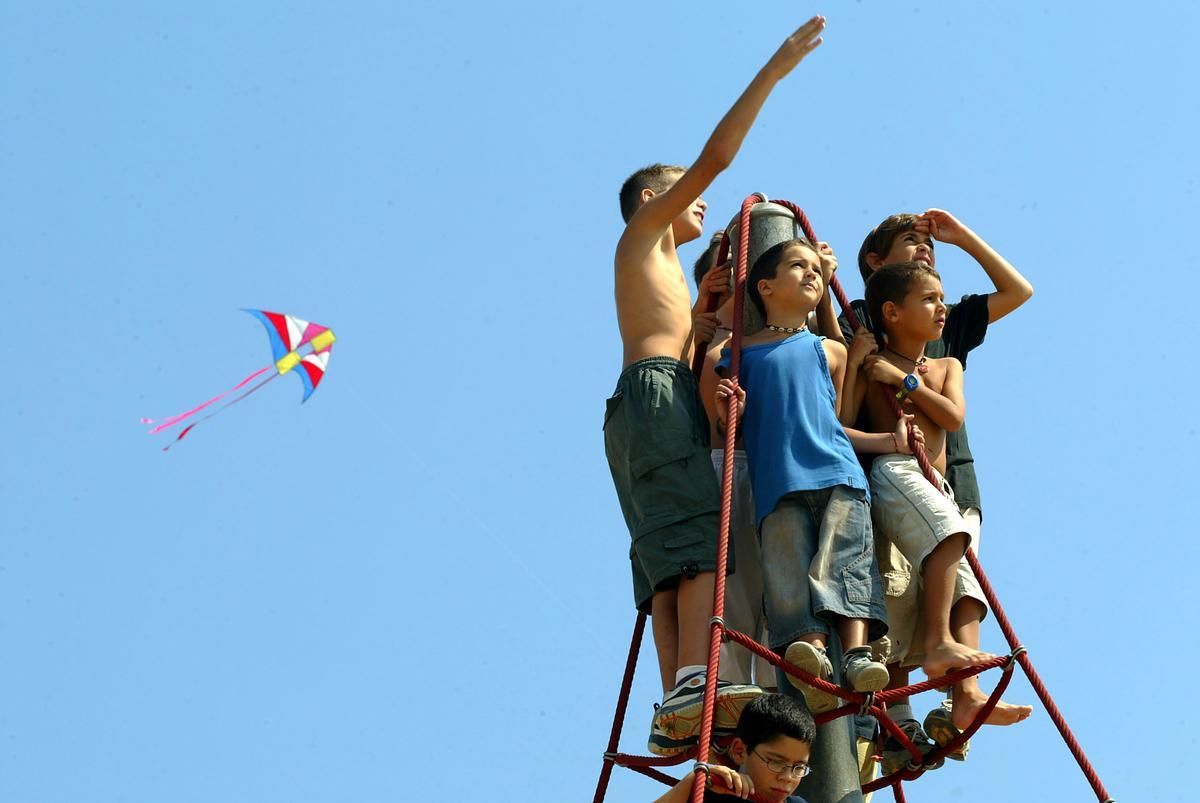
(910, 384)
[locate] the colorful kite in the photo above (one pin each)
(298, 345)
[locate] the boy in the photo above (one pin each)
(907, 237)
(654, 435)
(744, 590)
(905, 301)
(810, 493)
(771, 749)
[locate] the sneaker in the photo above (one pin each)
(812, 660)
(661, 744)
(861, 673)
(679, 716)
(731, 699)
(940, 724)
(895, 756)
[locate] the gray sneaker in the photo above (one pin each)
(862, 673)
(894, 754)
(812, 660)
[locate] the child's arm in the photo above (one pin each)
(827, 319)
(894, 442)
(722, 779)
(1012, 289)
(653, 217)
(866, 442)
(854, 385)
(946, 409)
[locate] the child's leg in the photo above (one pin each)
(695, 606)
(942, 652)
(967, 697)
(664, 621)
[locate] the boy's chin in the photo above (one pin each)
(687, 233)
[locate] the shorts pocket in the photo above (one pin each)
(610, 407)
(895, 583)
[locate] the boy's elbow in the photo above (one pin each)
(717, 156)
(955, 423)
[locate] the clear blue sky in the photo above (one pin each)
(421, 573)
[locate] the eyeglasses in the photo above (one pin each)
(784, 768)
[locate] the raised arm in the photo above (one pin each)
(825, 317)
(656, 214)
(1012, 289)
(854, 386)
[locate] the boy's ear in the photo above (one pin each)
(890, 311)
(764, 287)
(738, 751)
(647, 194)
(874, 261)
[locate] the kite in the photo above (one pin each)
(299, 347)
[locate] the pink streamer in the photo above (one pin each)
(168, 422)
(227, 404)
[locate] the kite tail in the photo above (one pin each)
(195, 424)
(175, 419)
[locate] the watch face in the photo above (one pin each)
(910, 382)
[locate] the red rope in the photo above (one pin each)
(731, 421)
(639, 628)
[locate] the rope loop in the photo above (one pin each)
(1012, 659)
(867, 703)
(701, 766)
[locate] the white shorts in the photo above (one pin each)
(911, 518)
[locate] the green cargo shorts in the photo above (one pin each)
(656, 439)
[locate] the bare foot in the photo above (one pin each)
(967, 707)
(950, 655)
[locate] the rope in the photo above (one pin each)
(731, 422)
(639, 628)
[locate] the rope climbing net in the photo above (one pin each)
(872, 703)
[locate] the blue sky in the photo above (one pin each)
(420, 576)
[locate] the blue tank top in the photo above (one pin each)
(794, 441)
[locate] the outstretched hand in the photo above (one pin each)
(805, 40)
(941, 226)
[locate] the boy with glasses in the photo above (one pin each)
(771, 750)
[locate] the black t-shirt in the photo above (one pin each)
(966, 326)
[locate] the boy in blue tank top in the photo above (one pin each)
(810, 494)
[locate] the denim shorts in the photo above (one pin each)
(818, 556)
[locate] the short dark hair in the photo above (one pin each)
(770, 715)
(706, 261)
(880, 240)
(767, 266)
(891, 283)
(655, 177)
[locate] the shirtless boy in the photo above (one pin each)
(906, 303)
(655, 434)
